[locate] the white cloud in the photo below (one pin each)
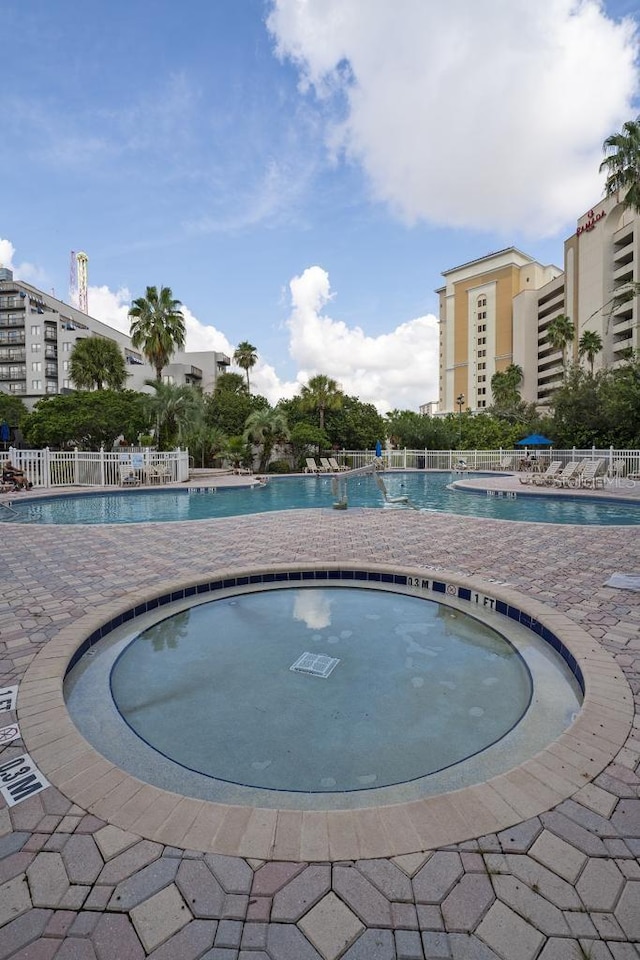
(28, 272)
(396, 369)
(486, 115)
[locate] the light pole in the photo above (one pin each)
(460, 401)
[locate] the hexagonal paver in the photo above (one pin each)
(14, 899)
(511, 937)
(437, 877)
(558, 855)
(600, 884)
(628, 910)
(331, 926)
(48, 880)
(160, 917)
(302, 893)
(467, 903)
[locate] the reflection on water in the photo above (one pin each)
(313, 607)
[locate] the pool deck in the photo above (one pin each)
(562, 883)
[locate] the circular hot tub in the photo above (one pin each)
(321, 694)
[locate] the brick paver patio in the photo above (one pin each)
(563, 884)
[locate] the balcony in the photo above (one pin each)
(7, 354)
(50, 333)
(51, 371)
(11, 336)
(11, 319)
(223, 360)
(50, 353)
(17, 388)
(13, 373)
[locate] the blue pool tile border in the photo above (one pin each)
(323, 575)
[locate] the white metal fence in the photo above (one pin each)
(502, 459)
(85, 468)
(100, 468)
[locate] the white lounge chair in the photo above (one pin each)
(549, 475)
(312, 466)
(570, 474)
(592, 474)
(325, 466)
(337, 467)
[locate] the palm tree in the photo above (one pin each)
(321, 394)
(175, 409)
(560, 332)
(505, 386)
(157, 327)
(622, 166)
(96, 361)
(264, 428)
(246, 357)
(589, 345)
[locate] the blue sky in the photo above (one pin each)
(300, 172)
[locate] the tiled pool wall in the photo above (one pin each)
(413, 584)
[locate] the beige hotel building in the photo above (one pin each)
(495, 311)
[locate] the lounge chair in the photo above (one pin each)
(570, 474)
(335, 466)
(592, 474)
(549, 475)
(312, 466)
(505, 464)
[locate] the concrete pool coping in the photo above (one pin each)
(101, 787)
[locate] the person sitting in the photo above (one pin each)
(13, 475)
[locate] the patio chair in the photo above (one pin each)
(549, 475)
(618, 469)
(128, 476)
(337, 467)
(312, 466)
(505, 464)
(325, 466)
(159, 473)
(570, 474)
(592, 474)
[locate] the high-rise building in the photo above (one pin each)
(38, 334)
(496, 310)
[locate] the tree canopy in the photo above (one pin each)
(245, 357)
(322, 393)
(96, 362)
(86, 419)
(622, 164)
(157, 327)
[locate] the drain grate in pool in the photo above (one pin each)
(315, 664)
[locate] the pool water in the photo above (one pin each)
(426, 491)
(413, 687)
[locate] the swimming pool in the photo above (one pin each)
(428, 491)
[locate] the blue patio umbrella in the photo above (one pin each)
(378, 449)
(5, 433)
(535, 440)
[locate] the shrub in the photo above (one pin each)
(279, 466)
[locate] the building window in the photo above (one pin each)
(35, 330)
(36, 366)
(65, 364)
(36, 347)
(66, 383)
(66, 347)
(36, 384)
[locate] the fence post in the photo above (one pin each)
(46, 468)
(76, 467)
(611, 460)
(102, 483)
(404, 459)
